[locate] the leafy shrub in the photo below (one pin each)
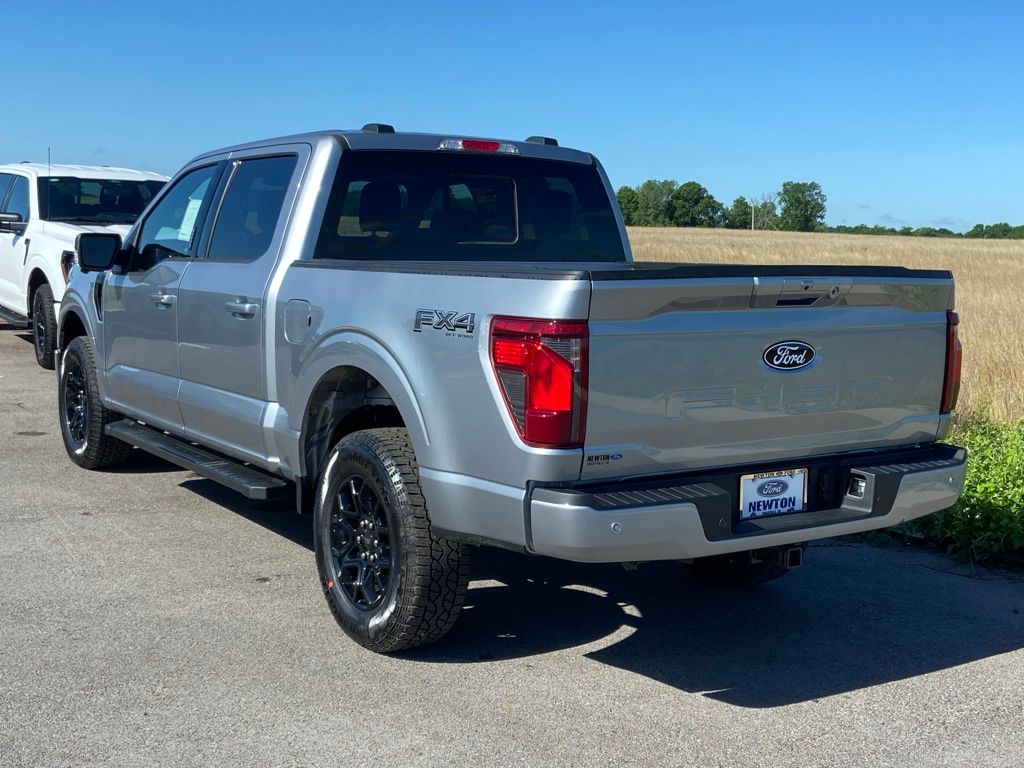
(988, 521)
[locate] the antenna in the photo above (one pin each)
(48, 162)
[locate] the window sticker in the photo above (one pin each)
(188, 223)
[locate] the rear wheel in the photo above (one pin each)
(389, 580)
(83, 419)
(744, 569)
(44, 326)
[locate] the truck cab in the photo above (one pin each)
(43, 208)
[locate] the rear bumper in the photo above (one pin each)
(680, 519)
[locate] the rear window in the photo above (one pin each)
(443, 206)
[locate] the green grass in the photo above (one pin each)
(987, 524)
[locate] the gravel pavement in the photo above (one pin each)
(150, 618)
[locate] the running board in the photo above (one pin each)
(13, 318)
(247, 480)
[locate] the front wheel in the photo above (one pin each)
(44, 326)
(83, 419)
(389, 580)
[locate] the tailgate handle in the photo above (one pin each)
(806, 293)
(798, 292)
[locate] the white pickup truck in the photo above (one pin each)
(43, 208)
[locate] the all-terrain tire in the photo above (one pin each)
(427, 574)
(44, 326)
(83, 419)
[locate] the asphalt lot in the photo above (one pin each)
(150, 618)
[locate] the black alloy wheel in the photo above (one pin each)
(83, 417)
(362, 550)
(38, 326)
(44, 326)
(75, 402)
(391, 582)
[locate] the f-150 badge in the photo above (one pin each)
(451, 323)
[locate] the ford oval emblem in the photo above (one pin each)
(772, 487)
(788, 355)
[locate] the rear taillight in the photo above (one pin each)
(541, 366)
(954, 359)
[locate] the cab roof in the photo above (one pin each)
(57, 170)
(369, 138)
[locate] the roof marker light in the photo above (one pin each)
(478, 145)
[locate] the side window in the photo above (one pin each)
(250, 208)
(171, 225)
(18, 201)
(5, 183)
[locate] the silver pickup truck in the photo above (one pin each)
(438, 342)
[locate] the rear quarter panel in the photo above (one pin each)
(441, 380)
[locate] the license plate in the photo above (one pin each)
(773, 493)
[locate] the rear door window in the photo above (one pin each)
(443, 206)
(250, 208)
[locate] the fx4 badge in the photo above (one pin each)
(451, 323)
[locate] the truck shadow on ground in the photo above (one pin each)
(854, 616)
(20, 331)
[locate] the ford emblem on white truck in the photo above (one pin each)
(788, 355)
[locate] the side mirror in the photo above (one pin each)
(97, 251)
(12, 222)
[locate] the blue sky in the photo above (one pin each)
(906, 113)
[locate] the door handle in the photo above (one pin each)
(162, 300)
(242, 308)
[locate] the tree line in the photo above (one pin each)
(799, 206)
(1000, 231)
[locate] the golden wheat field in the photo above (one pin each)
(989, 289)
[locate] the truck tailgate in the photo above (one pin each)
(747, 368)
